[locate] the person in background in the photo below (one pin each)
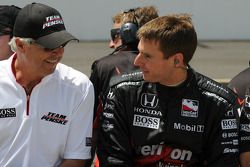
(121, 60)
(168, 114)
(240, 84)
(8, 15)
(46, 107)
(115, 40)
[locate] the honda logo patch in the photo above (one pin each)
(149, 100)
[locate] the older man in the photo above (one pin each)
(46, 107)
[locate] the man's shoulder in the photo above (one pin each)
(104, 62)
(70, 75)
(5, 66)
(214, 88)
(105, 58)
(111, 58)
(121, 62)
(133, 78)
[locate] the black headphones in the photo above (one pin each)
(128, 30)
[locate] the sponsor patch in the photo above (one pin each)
(189, 128)
(107, 126)
(147, 111)
(189, 108)
(229, 124)
(232, 142)
(7, 112)
(229, 113)
(149, 100)
(245, 127)
(88, 141)
(110, 95)
(108, 115)
(245, 138)
(146, 122)
(230, 150)
(247, 101)
(229, 135)
(108, 106)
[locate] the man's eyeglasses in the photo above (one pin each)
(115, 33)
(5, 32)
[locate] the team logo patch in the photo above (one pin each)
(149, 100)
(56, 118)
(110, 95)
(247, 101)
(7, 112)
(229, 124)
(146, 122)
(229, 113)
(88, 141)
(189, 108)
(52, 20)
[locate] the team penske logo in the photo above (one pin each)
(56, 118)
(189, 108)
(52, 20)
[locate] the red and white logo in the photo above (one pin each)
(52, 20)
(189, 108)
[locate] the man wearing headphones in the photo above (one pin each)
(7, 19)
(115, 40)
(121, 60)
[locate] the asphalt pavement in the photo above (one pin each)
(219, 60)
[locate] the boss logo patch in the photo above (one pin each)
(146, 122)
(7, 112)
(88, 141)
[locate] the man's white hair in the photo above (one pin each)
(12, 42)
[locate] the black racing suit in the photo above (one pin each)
(147, 124)
(119, 62)
(241, 85)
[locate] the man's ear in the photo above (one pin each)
(20, 45)
(178, 60)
